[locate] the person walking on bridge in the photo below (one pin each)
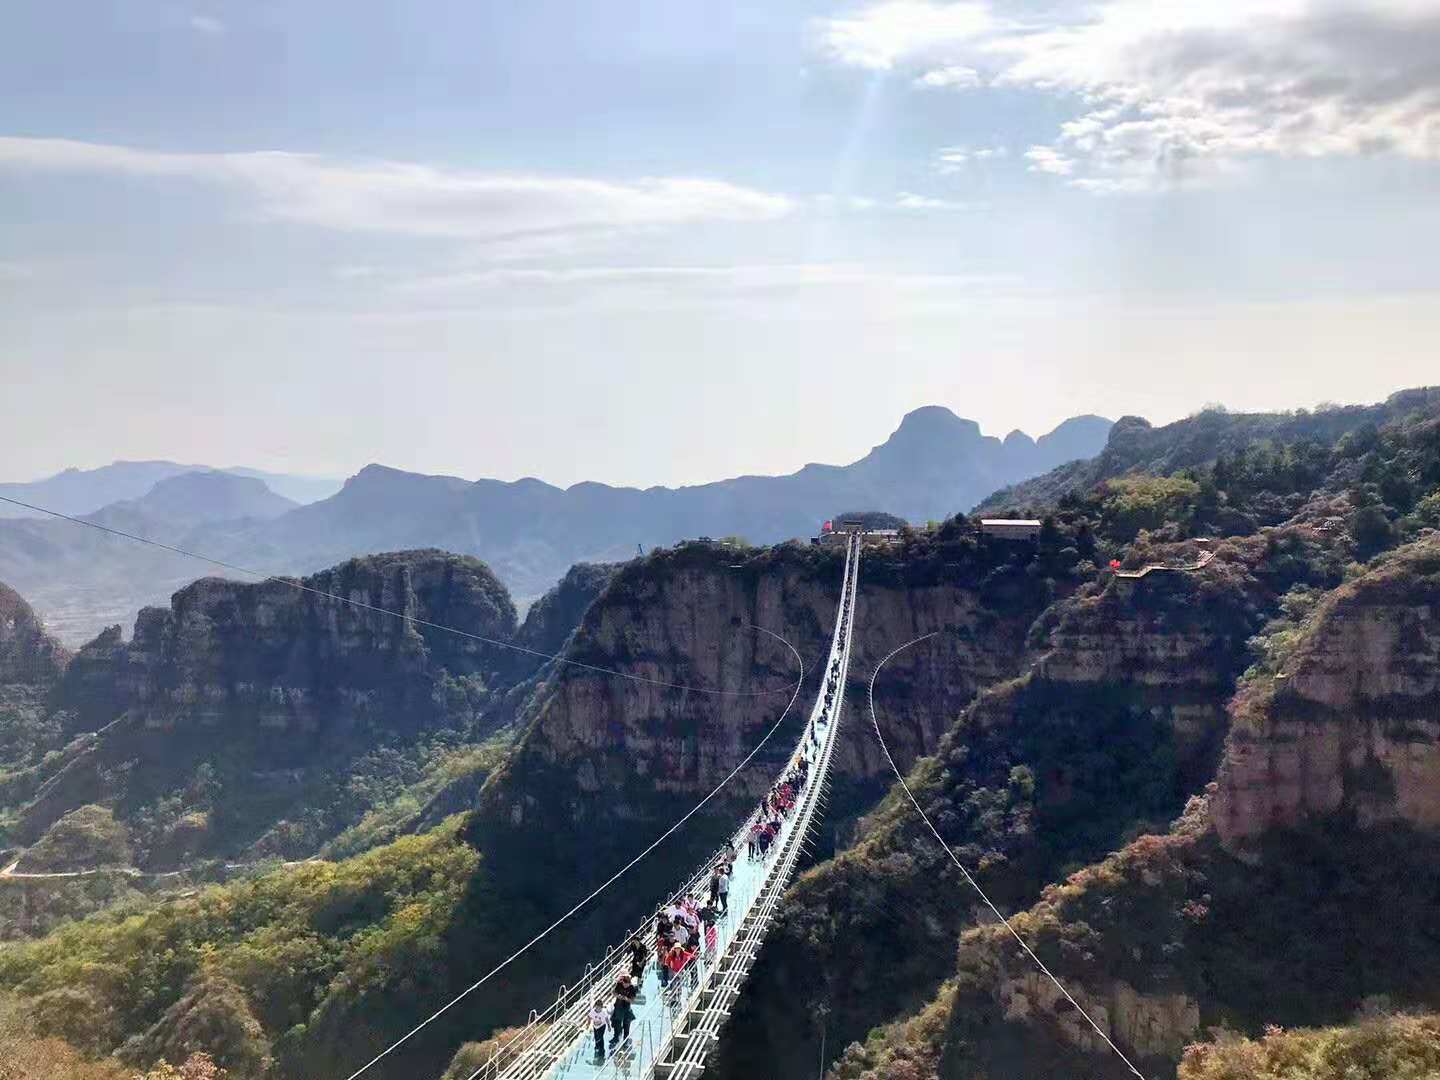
(722, 890)
(639, 954)
(621, 1017)
(599, 1020)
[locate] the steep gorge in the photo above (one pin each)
(605, 764)
(1117, 718)
(1299, 886)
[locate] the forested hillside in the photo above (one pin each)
(1298, 885)
(1187, 736)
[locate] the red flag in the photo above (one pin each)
(1114, 564)
(826, 527)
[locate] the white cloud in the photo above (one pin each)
(951, 77)
(419, 200)
(1049, 160)
(838, 203)
(908, 200)
(16, 271)
(952, 159)
(207, 24)
(692, 281)
(955, 159)
(1177, 91)
(880, 36)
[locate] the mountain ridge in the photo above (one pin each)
(934, 464)
(78, 491)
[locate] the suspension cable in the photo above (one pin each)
(608, 882)
(961, 866)
(300, 586)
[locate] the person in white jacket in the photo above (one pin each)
(599, 1020)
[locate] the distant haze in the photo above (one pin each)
(933, 465)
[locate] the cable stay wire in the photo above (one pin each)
(607, 883)
(299, 586)
(961, 866)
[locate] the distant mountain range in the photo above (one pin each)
(83, 491)
(529, 532)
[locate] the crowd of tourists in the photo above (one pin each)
(685, 929)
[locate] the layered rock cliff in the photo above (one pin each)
(621, 749)
(239, 714)
(1118, 717)
(297, 661)
(1352, 725)
(1301, 885)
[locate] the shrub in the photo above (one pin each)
(1393, 1048)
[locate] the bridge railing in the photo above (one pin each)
(550, 1037)
(571, 1005)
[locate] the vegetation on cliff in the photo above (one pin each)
(1175, 934)
(1259, 459)
(249, 721)
(1092, 709)
(251, 969)
(1400, 1047)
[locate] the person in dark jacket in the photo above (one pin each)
(627, 989)
(621, 1017)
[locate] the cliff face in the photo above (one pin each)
(1352, 725)
(242, 706)
(1118, 717)
(1316, 844)
(267, 654)
(28, 655)
(553, 617)
(686, 616)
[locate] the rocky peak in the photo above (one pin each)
(933, 430)
(1074, 438)
(28, 655)
(553, 617)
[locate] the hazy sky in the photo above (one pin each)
(665, 241)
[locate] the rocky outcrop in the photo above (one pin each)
(1152, 1025)
(1352, 724)
(28, 655)
(551, 619)
(243, 703)
(272, 656)
(688, 616)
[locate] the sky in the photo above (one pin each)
(667, 241)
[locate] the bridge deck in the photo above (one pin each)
(676, 1026)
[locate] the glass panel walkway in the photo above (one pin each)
(676, 1026)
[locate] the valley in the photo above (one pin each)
(1191, 790)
